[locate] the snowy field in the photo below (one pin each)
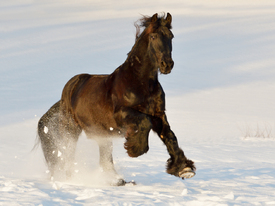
(220, 100)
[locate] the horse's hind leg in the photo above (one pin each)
(105, 154)
(48, 135)
(69, 132)
(106, 160)
(58, 135)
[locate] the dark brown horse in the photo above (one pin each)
(129, 103)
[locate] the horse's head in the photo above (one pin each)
(160, 42)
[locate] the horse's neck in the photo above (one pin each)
(140, 63)
(141, 67)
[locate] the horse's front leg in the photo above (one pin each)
(177, 164)
(135, 127)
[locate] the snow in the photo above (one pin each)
(220, 100)
(46, 130)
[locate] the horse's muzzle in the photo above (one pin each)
(166, 66)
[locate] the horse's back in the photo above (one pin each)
(71, 89)
(80, 85)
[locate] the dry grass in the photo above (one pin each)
(260, 130)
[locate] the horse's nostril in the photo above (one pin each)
(163, 64)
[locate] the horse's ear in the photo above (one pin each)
(154, 18)
(169, 18)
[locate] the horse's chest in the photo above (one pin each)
(140, 101)
(131, 98)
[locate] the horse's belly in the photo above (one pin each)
(98, 123)
(95, 115)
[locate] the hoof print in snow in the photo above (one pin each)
(186, 173)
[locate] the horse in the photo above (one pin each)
(129, 103)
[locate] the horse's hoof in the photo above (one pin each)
(187, 172)
(119, 182)
(131, 183)
(122, 182)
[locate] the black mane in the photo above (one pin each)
(146, 21)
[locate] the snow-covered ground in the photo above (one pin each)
(220, 100)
